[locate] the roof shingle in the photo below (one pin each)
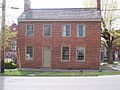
(61, 14)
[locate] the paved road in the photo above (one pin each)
(60, 83)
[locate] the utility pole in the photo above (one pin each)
(2, 37)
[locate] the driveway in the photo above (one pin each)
(60, 83)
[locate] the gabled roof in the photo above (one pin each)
(61, 14)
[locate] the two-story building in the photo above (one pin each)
(59, 38)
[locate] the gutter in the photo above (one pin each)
(28, 20)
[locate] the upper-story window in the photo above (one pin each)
(80, 30)
(66, 32)
(29, 30)
(47, 30)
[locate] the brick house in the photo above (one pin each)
(63, 38)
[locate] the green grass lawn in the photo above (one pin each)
(14, 72)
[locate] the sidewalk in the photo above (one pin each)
(107, 67)
(116, 67)
(111, 67)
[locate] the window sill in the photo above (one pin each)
(29, 59)
(47, 36)
(80, 60)
(65, 60)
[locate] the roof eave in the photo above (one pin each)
(25, 20)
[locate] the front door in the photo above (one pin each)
(46, 56)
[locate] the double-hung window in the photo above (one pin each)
(80, 53)
(81, 30)
(29, 30)
(29, 52)
(66, 32)
(65, 53)
(47, 30)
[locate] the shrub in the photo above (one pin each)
(105, 60)
(9, 64)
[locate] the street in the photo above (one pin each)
(60, 83)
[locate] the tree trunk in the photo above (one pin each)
(110, 55)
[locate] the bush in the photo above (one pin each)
(105, 60)
(9, 64)
(110, 62)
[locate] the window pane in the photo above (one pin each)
(29, 33)
(29, 30)
(80, 30)
(66, 30)
(65, 53)
(29, 27)
(29, 52)
(65, 57)
(47, 30)
(80, 53)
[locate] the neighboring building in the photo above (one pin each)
(10, 52)
(64, 38)
(116, 53)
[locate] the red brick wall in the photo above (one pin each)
(91, 43)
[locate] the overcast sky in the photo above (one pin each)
(13, 14)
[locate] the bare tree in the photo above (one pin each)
(110, 15)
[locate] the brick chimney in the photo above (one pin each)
(27, 5)
(98, 4)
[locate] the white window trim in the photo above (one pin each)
(50, 31)
(69, 53)
(84, 53)
(26, 51)
(26, 30)
(63, 30)
(84, 30)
